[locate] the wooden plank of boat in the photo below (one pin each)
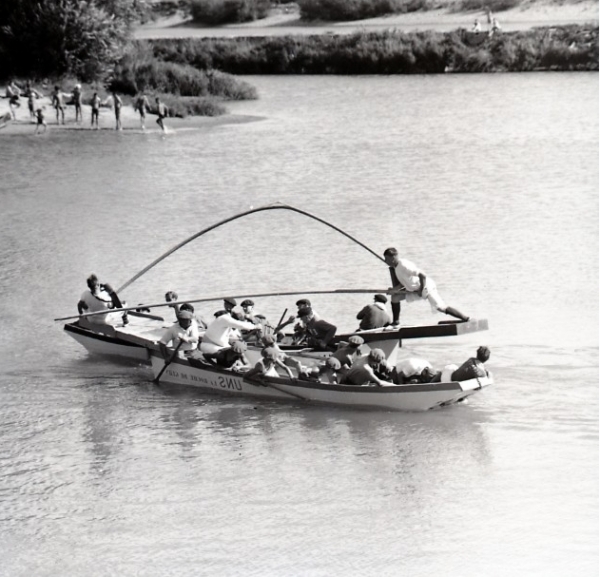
(417, 397)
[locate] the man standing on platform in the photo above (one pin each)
(411, 284)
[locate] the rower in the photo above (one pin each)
(219, 332)
(183, 335)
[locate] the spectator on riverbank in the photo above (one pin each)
(142, 106)
(95, 104)
(32, 95)
(58, 102)
(117, 105)
(40, 120)
(476, 26)
(162, 112)
(77, 101)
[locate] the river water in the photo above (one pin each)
(489, 182)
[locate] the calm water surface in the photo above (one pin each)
(490, 183)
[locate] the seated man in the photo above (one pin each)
(233, 358)
(363, 370)
(183, 335)
(374, 316)
(470, 369)
(289, 361)
(202, 326)
(347, 352)
(100, 297)
(170, 297)
(228, 304)
(412, 370)
(267, 366)
(320, 333)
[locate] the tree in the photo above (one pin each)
(56, 37)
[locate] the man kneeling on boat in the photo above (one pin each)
(183, 335)
(370, 368)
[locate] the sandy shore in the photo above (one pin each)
(130, 119)
(286, 21)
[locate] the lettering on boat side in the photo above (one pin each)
(230, 383)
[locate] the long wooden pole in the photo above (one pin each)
(276, 206)
(216, 298)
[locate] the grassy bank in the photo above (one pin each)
(570, 47)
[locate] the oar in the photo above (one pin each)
(167, 363)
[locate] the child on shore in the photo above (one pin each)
(40, 120)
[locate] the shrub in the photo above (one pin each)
(140, 71)
(229, 11)
(183, 106)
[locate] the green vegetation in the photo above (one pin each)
(216, 12)
(140, 71)
(392, 52)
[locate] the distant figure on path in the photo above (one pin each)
(117, 104)
(414, 285)
(142, 106)
(95, 103)
(77, 99)
(476, 26)
(162, 112)
(40, 120)
(495, 27)
(58, 101)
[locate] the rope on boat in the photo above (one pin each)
(276, 206)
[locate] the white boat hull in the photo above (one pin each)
(418, 397)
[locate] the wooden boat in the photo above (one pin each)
(414, 397)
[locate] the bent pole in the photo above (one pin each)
(276, 206)
(236, 296)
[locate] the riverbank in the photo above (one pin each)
(130, 119)
(284, 21)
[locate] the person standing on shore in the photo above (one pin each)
(117, 104)
(77, 99)
(40, 120)
(142, 106)
(95, 103)
(32, 95)
(58, 102)
(162, 112)
(413, 285)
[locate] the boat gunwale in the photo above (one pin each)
(297, 383)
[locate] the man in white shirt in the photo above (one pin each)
(218, 333)
(411, 284)
(184, 332)
(100, 297)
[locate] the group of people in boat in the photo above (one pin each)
(224, 340)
